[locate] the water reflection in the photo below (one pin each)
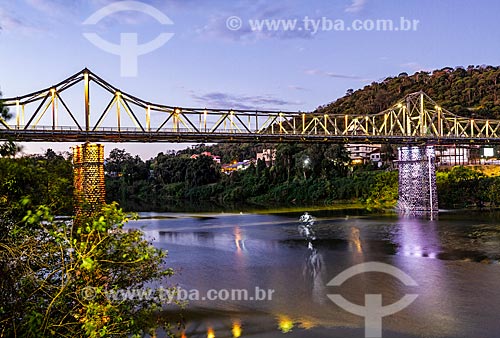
(355, 241)
(285, 324)
(255, 326)
(236, 330)
(239, 240)
(314, 263)
(203, 238)
(418, 238)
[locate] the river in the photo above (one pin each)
(453, 261)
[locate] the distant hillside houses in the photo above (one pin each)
(446, 155)
(267, 155)
(230, 167)
(364, 153)
(209, 154)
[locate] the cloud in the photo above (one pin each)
(129, 16)
(259, 22)
(341, 76)
(35, 17)
(251, 29)
(414, 66)
(219, 100)
(11, 23)
(356, 6)
(334, 75)
(295, 87)
(56, 8)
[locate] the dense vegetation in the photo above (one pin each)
(70, 277)
(312, 174)
(463, 91)
(301, 175)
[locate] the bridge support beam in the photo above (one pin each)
(88, 173)
(417, 180)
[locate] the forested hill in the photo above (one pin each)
(463, 91)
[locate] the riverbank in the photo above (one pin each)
(213, 207)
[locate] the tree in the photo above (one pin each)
(69, 279)
(8, 148)
(201, 171)
(387, 153)
(285, 160)
(338, 160)
(43, 179)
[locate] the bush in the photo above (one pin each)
(58, 273)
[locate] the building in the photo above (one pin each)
(236, 166)
(376, 157)
(267, 155)
(209, 154)
(452, 155)
(361, 153)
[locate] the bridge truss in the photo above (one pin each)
(46, 115)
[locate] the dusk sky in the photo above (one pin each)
(218, 57)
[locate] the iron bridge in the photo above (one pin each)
(64, 113)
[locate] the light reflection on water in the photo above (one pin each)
(457, 298)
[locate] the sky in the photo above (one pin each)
(285, 55)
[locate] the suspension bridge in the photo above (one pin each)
(86, 108)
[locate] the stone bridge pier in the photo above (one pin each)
(88, 176)
(417, 179)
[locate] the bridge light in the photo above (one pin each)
(400, 105)
(177, 111)
(118, 93)
(52, 91)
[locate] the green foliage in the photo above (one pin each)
(59, 276)
(384, 191)
(139, 185)
(46, 179)
(312, 174)
(462, 187)
(8, 148)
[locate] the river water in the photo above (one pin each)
(453, 260)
